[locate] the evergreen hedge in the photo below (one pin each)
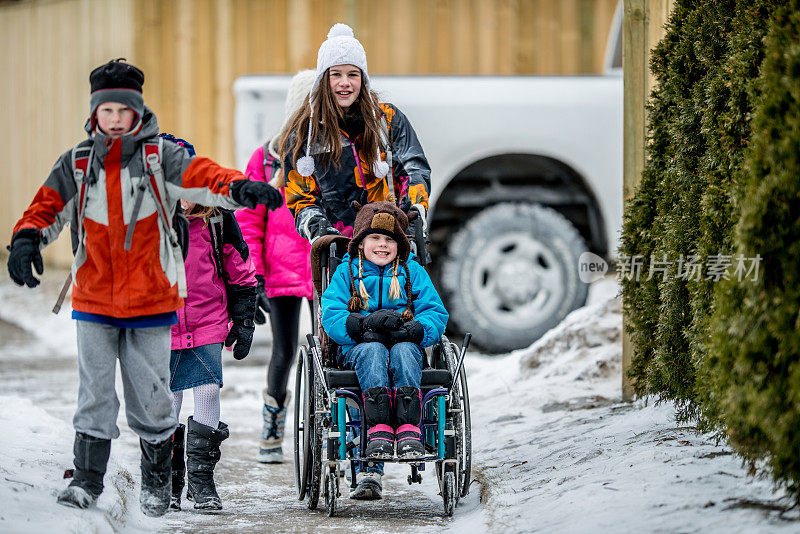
(753, 364)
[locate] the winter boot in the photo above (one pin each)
(202, 454)
(269, 447)
(408, 413)
(368, 487)
(91, 457)
(178, 467)
(380, 436)
(154, 499)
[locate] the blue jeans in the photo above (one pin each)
(377, 366)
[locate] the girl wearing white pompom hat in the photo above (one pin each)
(339, 145)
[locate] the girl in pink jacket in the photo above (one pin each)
(281, 259)
(221, 291)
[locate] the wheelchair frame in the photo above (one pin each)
(324, 392)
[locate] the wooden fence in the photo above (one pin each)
(192, 50)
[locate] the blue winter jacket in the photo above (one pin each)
(428, 307)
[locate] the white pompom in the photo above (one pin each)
(340, 30)
(380, 169)
(305, 166)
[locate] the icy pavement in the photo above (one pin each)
(554, 448)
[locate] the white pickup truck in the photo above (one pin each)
(526, 176)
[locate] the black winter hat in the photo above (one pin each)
(116, 74)
(116, 81)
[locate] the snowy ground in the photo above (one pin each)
(554, 449)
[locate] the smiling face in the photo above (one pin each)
(115, 119)
(380, 249)
(345, 81)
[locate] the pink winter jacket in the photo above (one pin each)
(204, 317)
(278, 251)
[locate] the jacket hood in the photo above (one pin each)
(144, 130)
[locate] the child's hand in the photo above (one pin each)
(383, 321)
(242, 336)
(24, 250)
(411, 332)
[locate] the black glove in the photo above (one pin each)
(262, 302)
(319, 226)
(241, 309)
(384, 321)
(232, 234)
(242, 335)
(354, 324)
(250, 194)
(24, 250)
(411, 332)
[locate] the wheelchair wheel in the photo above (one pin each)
(449, 493)
(302, 442)
(464, 438)
(308, 436)
(331, 492)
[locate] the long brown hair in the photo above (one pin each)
(328, 112)
(205, 212)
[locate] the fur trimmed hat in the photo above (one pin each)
(380, 218)
(116, 81)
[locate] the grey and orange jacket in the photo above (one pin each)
(107, 279)
(331, 190)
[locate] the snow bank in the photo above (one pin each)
(35, 450)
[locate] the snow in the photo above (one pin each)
(555, 450)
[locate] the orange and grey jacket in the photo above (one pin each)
(107, 279)
(325, 198)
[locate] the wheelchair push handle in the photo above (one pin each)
(464, 346)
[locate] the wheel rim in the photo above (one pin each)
(517, 281)
(465, 441)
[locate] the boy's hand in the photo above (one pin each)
(242, 335)
(250, 194)
(24, 251)
(262, 302)
(411, 332)
(383, 321)
(354, 324)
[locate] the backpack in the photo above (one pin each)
(153, 180)
(225, 230)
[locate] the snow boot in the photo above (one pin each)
(178, 467)
(91, 457)
(154, 498)
(380, 436)
(408, 413)
(368, 487)
(202, 454)
(269, 447)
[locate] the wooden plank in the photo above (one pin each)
(485, 36)
(526, 38)
(223, 79)
(403, 44)
(587, 32)
(635, 55)
(569, 36)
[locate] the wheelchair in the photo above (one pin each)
(324, 391)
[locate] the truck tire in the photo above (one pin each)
(511, 274)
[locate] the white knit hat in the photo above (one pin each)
(299, 87)
(341, 48)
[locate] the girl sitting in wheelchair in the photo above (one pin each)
(382, 310)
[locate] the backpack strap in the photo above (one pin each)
(82, 156)
(215, 228)
(151, 153)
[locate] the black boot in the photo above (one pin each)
(156, 477)
(202, 454)
(408, 413)
(91, 457)
(380, 437)
(178, 466)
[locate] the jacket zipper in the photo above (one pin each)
(380, 289)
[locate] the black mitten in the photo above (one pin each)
(411, 332)
(241, 309)
(262, 302)
(250, 194)
(319, 226)
(355, 327)
(383, 321)
(24, 251)
(242, 335)
(232, 234)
